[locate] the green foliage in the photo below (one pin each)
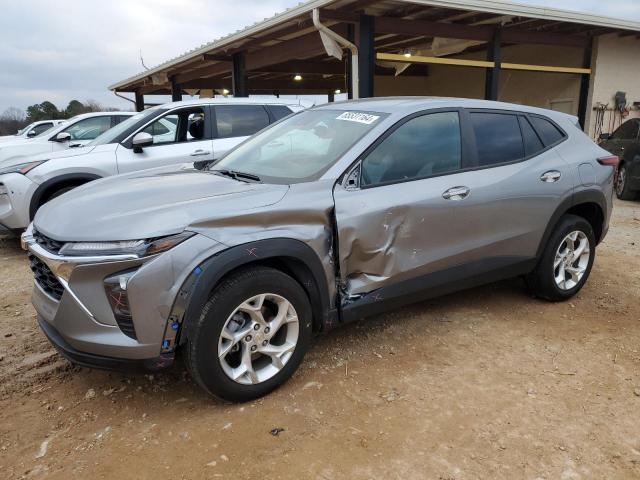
(14, 119)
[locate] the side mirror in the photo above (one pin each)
(605, 136)
(141, 140)
(63, 137)
(31, 133)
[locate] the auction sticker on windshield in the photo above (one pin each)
(359, 117)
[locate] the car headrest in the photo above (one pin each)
(196, 128)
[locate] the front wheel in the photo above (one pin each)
(566, 261)
(251, 335)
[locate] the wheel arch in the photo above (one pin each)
(292, 257)
(589, 204)
(49, 186)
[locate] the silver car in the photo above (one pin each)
(332, 214)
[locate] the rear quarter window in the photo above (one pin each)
(548, 132)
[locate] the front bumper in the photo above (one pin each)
(79, 313)
(102, 362)
(15, 203)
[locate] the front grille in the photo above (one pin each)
(45, 277)
(49, 244)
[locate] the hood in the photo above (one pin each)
(149, 204)
(9, 138)
(70, 152)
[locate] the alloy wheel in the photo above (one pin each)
(258, 338)
(571, 260)
(620, 180)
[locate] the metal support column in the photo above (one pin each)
(492, 75)
(349, 83)
(366, 55)
(139, 101)
(239, 76)
(585, 79)
(176, 90)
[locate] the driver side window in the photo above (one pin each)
(422, 147)
(182, 126)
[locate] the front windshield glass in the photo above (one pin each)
(24, 131)
(301, 147)
(113, 133)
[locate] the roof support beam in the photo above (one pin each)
(424, 28)
(271, 85)
(305, 46)
(304, 67)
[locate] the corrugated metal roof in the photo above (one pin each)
(499, 7)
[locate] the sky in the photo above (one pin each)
(73, 49)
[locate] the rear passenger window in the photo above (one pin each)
(532, 143)
(278, 111)
(549, 133)
(421, 147)
(240, 120)
(498, 138)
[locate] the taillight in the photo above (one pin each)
(609, 161)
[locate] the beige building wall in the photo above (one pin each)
(615, 67)
(540, 89)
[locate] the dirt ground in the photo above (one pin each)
(487, 383)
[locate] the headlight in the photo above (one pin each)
(141, 248)
(22, 168)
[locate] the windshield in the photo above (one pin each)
(301, 147)
(110, 135)
(24, 131)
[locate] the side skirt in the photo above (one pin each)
(434, 285)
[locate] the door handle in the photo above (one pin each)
(550, 176)
(198, 153)
(456, 193)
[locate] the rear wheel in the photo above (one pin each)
(623, 192)
(251, 336)
(566, 261)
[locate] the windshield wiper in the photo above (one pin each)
(238, 175)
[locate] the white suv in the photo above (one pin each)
(189, 131)
(79, 130)
(32, 130)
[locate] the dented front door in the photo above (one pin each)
(396, 232)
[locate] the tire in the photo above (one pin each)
(623, 192)
(249, 287)
(543, 281)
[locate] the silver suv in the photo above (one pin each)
(332, 214)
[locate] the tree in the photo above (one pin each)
(74, 108)
(43, 111)
(12, 120)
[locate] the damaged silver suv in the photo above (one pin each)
(334, 213)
